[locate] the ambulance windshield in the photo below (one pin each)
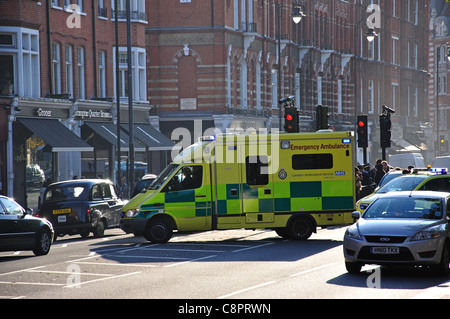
(163, 176)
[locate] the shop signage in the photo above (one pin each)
(93, 114)
(43, 113)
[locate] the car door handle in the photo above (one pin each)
(267, 191)
(200, 196)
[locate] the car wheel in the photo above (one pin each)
(43, 243)
(300, 229)
(159, 230)
(99, 230)
(353, 268)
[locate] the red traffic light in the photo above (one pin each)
(289, 117)
(361, 124)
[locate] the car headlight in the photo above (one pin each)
(132, 213)
(353, 232)
(431, 233)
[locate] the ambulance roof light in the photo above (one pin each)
(438, 170)
(207, 138)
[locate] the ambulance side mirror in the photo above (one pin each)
(356, 215)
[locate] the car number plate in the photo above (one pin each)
(385, 250)
(62, 219)
(62, 211)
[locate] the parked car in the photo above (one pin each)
(19, 230)
(146, 180)
(421, 181)
(82, 206)
(401, 228)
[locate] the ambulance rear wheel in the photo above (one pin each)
(300, 229)
(159, 230)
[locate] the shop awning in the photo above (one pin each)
(56, 135)
(109, 132)
(150, 137)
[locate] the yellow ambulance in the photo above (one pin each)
(289, 182)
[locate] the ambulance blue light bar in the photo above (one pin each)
(346, 141)
(438, 170)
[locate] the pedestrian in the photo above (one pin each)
(379, 173)
(358, 179)
(123, 188)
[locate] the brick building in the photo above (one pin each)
(439, 99)
(58, 110)
(217, 61)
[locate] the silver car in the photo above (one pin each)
(401, 228)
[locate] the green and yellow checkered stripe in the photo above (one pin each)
(287, 197)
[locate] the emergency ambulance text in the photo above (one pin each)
(319, 147)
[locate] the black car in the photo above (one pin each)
(19, 230)
(81, 206)
(143, 183)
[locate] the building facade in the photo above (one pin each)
(216, 63)
(439, 98)
(58, 106)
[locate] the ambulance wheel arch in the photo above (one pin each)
(159, 228)
(301, 227)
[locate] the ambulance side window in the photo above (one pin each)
(257, 170)
(312, 161)
(188, 177)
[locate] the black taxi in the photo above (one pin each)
(82, 206)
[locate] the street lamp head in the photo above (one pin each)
(297, 14)
(371, 34)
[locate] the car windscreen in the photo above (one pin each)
(159, 181)
(402, 183)
(66, 193)
(394, 207)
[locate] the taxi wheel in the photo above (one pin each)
(300, 229)
(159, 230)
(99, 230)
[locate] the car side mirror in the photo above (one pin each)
(356, 215)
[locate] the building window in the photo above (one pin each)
(371, 100)
(138, 70)
(137, 9)
(81, 73)
(102, 73)
(56, 67)
(394, 95)
(274, 89)
(394, 50)
(101, 9)
(19, 62)
(55, 3)
(69, 70)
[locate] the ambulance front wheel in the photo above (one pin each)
(159, 230)
(300, 229)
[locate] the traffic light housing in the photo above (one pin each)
(363, 139)
(291, 120)
(385, 131)
(322, 117)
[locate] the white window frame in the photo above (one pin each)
(139, 73)
(102, 73)
(56, 67)
(81, 62)
(69, 69)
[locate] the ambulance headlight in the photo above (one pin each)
(132, 213)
